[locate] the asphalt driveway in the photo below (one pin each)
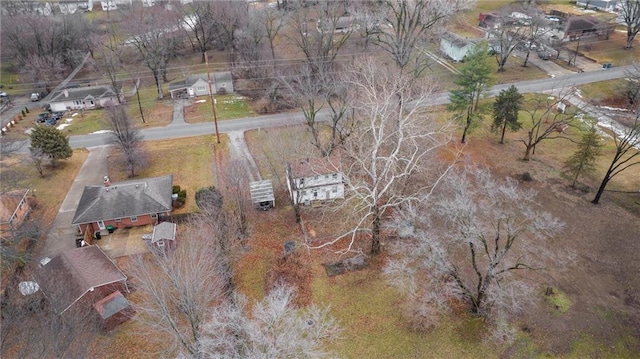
(62, 234)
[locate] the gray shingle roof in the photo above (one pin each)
(82, 93)
(164, 231)
(70, 275)
(190, 80)
(124, 199)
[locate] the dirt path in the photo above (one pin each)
(241, 156)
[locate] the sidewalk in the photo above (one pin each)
(62, 234)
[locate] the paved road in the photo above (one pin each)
(244, 124)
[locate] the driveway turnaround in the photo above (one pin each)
(62, 234)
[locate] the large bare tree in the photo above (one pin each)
(200, 26)
(153, 32)
(273, 328)
(322, 97)
(127, 139)
(548, 118)
(406, 26)
(179, 290)
(630, 13)
(389, 158)
(314, 32)
(627, 153)
(482, 234)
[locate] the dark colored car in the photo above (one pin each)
(57, 114)
(50, 122)
(43, 117)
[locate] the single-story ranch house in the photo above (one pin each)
(83, 98)
(198, 85)
(124, 204)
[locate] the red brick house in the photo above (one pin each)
(14, 208)
(124, 204)
(79, 277)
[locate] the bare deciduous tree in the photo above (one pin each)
(504, 40)
(483, 233)
(627, 154)
(153, 33)
(314, 33)
(630, 11)
(389, 157)
(409, 23)
(127, 139)
(37, 159)
(321, 95)
(275, 328)
(200, 25)
(548, 120)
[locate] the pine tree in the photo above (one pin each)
(584, 159)
(473, 81)
(505, 111)
(51, 142)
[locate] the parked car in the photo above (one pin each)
(57, 114)
(35, 97)
(43, 117)
(544, 55)
(50, 122)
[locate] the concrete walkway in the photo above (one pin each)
(178, 113)
(62, 234)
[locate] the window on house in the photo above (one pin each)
(160, 243)
(304, 193)
(134, 218)
(154, 216)
(335, 176)
(315, 194)
(21, 204)
(334, 189)
(77, 102)
(200, 88)
(301, 181)
(118, 220)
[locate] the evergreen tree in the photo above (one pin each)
(473, 81)
(584, 159)
(505, 111)
(49, 141)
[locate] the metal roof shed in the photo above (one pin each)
(262, 193)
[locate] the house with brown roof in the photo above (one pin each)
(113, 310)
(14, 209)
(79, 276)
(586, 26)
(314, 179)
(137, 202)
(83, 98)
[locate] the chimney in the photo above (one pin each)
(66, 93)
(106, 181)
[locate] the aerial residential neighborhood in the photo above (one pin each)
(319, 179)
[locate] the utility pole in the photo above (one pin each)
(137, 85)
(213, 104)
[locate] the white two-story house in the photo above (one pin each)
(314, 179)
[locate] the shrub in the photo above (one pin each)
(209, 198)
(175, 189)
(23, 113)
(26, 109)
(182, 195)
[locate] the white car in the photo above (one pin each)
(35, 96)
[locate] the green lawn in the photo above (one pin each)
(227, 107)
